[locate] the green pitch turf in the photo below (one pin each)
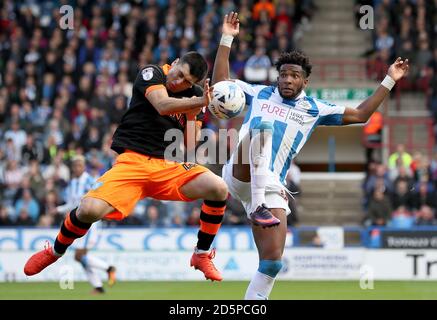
(228, 290)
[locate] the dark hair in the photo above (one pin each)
(295, 57)
(197, 63)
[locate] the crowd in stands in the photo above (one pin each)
(408, 29)
(64, 90)
(403, 193)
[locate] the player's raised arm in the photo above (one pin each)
(363, 112)
(230, 29)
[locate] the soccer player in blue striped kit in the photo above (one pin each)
(278, 122)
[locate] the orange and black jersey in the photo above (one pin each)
(142, 128)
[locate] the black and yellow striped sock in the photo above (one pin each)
(211, 217)
(71, 229)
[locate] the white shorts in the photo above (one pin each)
(276, 196)
(91, 239)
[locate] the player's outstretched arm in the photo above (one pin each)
(363, 112)
(230, 29)
(166, 105)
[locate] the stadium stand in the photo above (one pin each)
(62, 92)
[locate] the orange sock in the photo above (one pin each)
(211, 217)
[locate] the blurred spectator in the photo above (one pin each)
(5, 218)
(403, 174)
(153, 218)
(372, 134)
(400, 153)
(402, 218)
(18, 137)
(235, 213)
(257, 67)
(13, 175)
(194, 217)
(11, 151)
(177, 221)
(24, 218)
(31, 150)
(424, 195)
(379, 209)
(50, 210)
(45, 221)
(425, 216)
(263, 9)
(27, 207)
(377, 180)
(57, 170)
(402, 196)
(36, 180)
(421, 169)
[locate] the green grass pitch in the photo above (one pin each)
(227, 290)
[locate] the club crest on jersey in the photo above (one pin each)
(147, 74)
(303, 104)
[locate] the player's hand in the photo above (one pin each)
(207, 92)
(398, 69)
(231, 24)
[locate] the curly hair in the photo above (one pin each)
(295, 57)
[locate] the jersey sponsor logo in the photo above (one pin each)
(297, 117)
(188, 166)
(147, 74)
(179, 117)
(284, 113)
(275, 110)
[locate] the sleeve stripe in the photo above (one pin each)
(154, 87)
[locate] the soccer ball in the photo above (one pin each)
(227, 101)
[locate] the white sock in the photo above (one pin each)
(259, 287)
(94, 262)
(93, 277)
(260, 155)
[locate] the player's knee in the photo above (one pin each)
(220, 190)
(90, 209)
(216, 190)
(270, 267)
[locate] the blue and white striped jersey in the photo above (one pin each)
(293, 121)
(76, 189)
